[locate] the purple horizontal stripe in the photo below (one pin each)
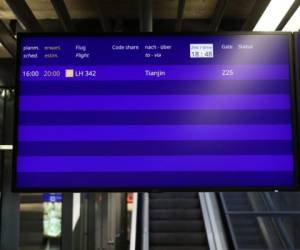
(156, 163)
(155, 148)
(158, 132)
(149, 117)
(154, 87)
(175, 72)
(152, 102)
(156, 180)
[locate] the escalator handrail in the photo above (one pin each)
(145, 222)
(133, 230)
(214, 228)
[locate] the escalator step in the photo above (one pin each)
(180, 239)
(179, 248)
(234, 194)
(251, 239)
(28, 239)
(247, 230)
(237, 198)
(176, 226)
(243, 221)
(31, 226)
(175, 214)
(174, 203)
(239, 208)
(32, 247)
(31, 198)
(174, 195)
(254, 246)
(31, 215)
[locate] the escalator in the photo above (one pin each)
(31, 222)
(214, 221)
(176, 222)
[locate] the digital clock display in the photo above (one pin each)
(201, 50)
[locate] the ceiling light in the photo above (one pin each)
(294, 23)
(273, 15)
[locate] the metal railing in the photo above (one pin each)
(265, 212)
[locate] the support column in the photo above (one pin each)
(67, 222)
(146, 19)
(91, 227)
(10, 202)
(10, 207)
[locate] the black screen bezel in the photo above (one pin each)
(294, 100)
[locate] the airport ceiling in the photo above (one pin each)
(124, 16)
(162, 9)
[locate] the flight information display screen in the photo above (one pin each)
(152, 111)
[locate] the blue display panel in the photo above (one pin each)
(155, 112)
